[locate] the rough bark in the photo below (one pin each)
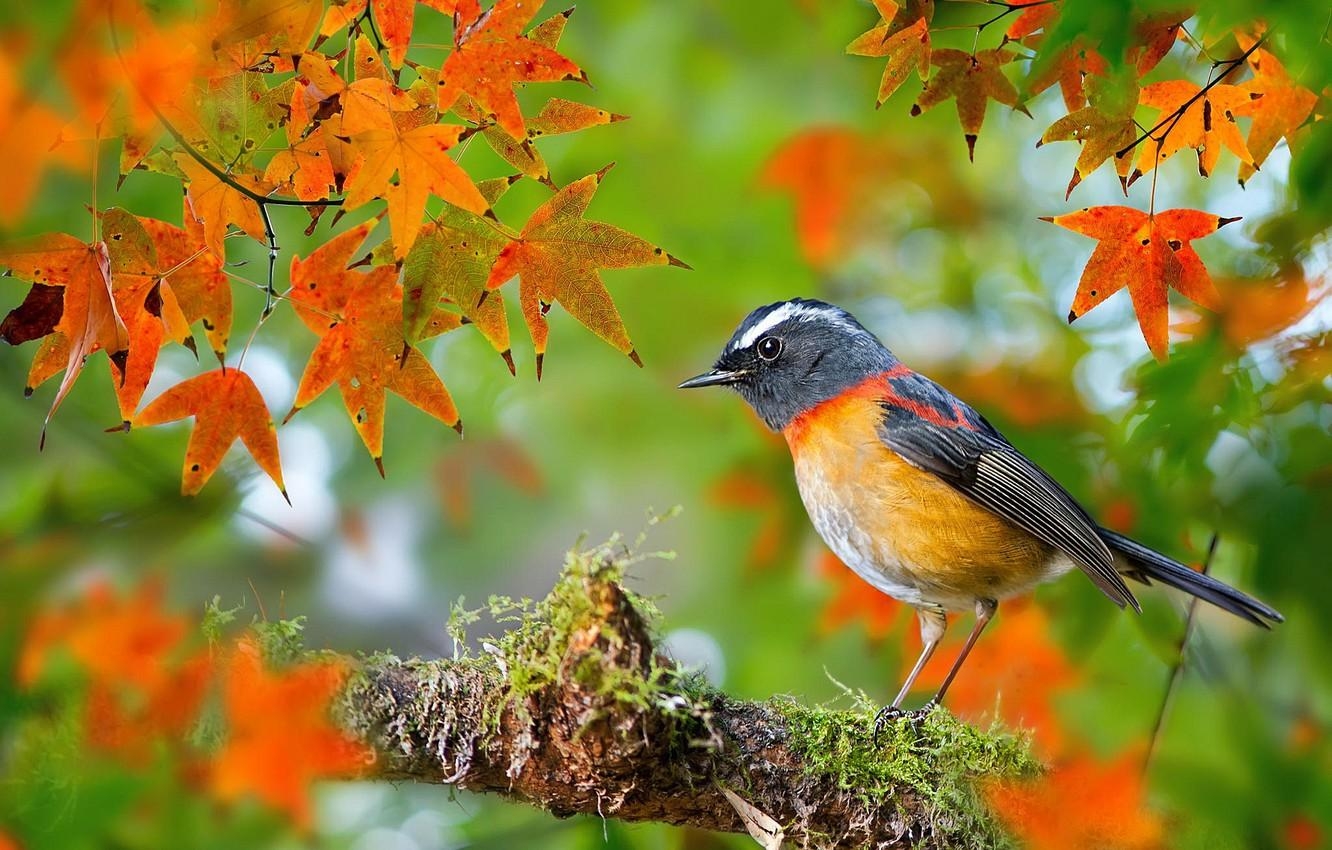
(575, 711)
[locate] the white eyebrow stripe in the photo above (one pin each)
(786, 312)
(770, 321)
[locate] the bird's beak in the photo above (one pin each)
(715, 378)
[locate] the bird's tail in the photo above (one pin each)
(1149, 564)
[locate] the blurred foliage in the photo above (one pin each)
(944, 259)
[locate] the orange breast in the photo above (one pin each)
(904, 530)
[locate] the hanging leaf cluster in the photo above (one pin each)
(1123, 112)
(264, 103)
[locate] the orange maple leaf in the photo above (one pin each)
(752, 491)
(279, 735)
(490, 55)
(226, 406)
(1206, 122)
(974, 79)
(1036, 15)
(142, 687)
(1018, 672)
(118, 641)
(1081, 802)
(556, 258)
(87, 316)
(216, 204)
(392, 133)
(28, 132)
(502, 458)
(1255, 310)
(831, 172)
(362, 348)
(196, 276)
(1150, 254)
(557, 117)
(903, 35)
(1282, 109)
(1155, 34)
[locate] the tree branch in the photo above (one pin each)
(575, 710)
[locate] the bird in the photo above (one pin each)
(917, 492)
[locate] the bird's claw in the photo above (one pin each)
(888, 713)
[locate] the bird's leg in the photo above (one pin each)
(933, 623)
(985, 609)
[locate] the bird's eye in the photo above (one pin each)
(769, 347)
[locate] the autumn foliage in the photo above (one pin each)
(256, 105)
(150, 687)
(1117, 117)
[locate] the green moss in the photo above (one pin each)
(538, 647)
(938, 757)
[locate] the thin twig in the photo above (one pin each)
(1173, 118)
(1177, 670)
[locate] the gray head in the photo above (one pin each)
(789, 356)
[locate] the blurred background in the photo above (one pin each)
(755, 154)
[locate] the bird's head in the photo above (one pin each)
(787, 357)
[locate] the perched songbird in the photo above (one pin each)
(915, 491)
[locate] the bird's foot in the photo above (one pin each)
(889, 713)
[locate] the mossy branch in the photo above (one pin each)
(574, 710)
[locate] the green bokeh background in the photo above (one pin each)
(1214, 441)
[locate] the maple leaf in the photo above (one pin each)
(216, 204)
(1155, 34)
(391, 135)
(87, 319)
(361, 346)
(280, 738)
(754, 491)
(195, 275)
(226, 406)
(1021, 663)
(1070, 68)
(1255, 310)
(1206, 122)
(974, 80)
(1105, 128)
(451, 261)
(490, 55)
(116, 640)
(281, 26)
(831, 172)
(28, 131)
(903, 35)
(557, 116)
(1036, 15)
(1081, 802)
(1149, 254)
(1282, 109)
(141, 685)
(556, 258)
